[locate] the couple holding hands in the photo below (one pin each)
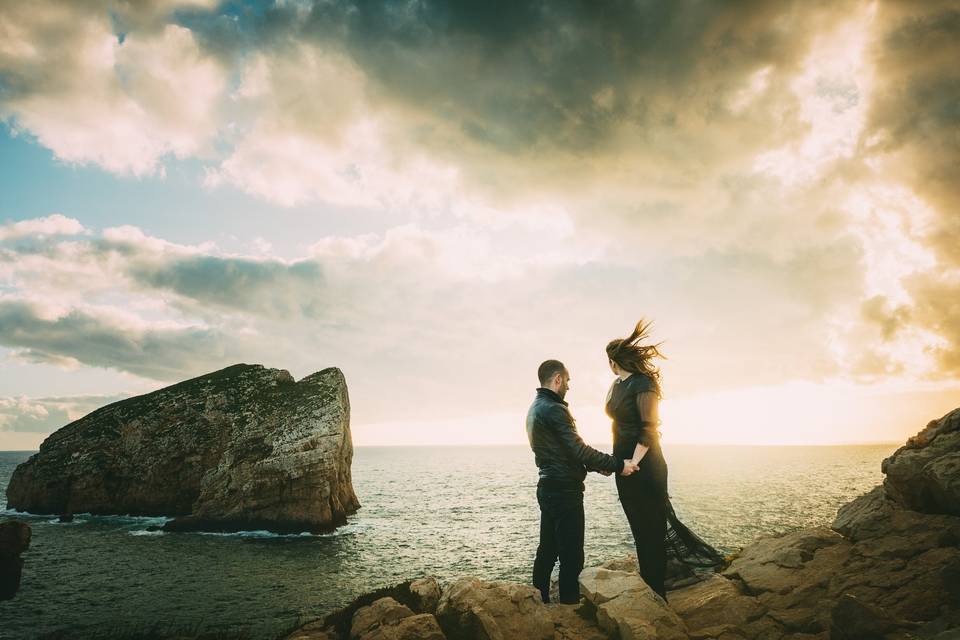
(563, 460)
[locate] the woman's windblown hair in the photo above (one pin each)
(635, 357)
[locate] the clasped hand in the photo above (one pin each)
(629, 466)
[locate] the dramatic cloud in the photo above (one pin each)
(774, 183)
(913, 136)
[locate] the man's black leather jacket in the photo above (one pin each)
(561, 455)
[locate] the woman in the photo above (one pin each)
(632, 404)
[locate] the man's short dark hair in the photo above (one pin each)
(549, 369)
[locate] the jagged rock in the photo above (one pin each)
(245, 447)
(14, 540)
(471, 609)
(712, 602)
(427, 593)
(771, 563)
(339, 623)
(382, 611)
(315, 630)
(387, 619)
(416, 627)
(626, 564)
(640, 614)
(924, 474)
(570, 625)
(865, 516)
(598, 585)
(677, 575)
(853, 619)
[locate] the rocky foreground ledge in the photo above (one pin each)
(245, 447)
(888, 568)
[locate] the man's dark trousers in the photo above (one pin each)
(561, 537)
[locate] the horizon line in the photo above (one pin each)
(516, 444)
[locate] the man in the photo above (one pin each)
(563, 460)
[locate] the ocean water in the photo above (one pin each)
(445, 511)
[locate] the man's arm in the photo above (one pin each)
(593, 460)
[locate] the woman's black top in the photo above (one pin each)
(629, 428)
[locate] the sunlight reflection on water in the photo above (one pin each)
(444, 511)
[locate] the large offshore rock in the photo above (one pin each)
(14, 540)
(245, 447)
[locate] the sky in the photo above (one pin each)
(437, 196)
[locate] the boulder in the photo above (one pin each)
(627, 564)
(570, 624)
(471, 609)
(853, 619)
(772, 563)
(245, 447)
(427, 592)
(924, 474)
(865, 516)
(416, 627)
(712, 602)
(677, 575)
(394, 603)
(598, 585)
(14, 540)
(380, 612)
(640, 614)
(316, 630)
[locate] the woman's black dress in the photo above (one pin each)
(656, 529)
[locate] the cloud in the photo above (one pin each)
(907, 212)
(47, 414)
(124, 258)
(99, 340)
(122, 101)
(774, 182)
(53, 225)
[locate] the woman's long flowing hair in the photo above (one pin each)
(632, 356)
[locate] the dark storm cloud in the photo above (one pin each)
(917, 106)
(524, 75)
(151, 352)
(915, 125)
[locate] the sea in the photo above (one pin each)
(442, 511)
